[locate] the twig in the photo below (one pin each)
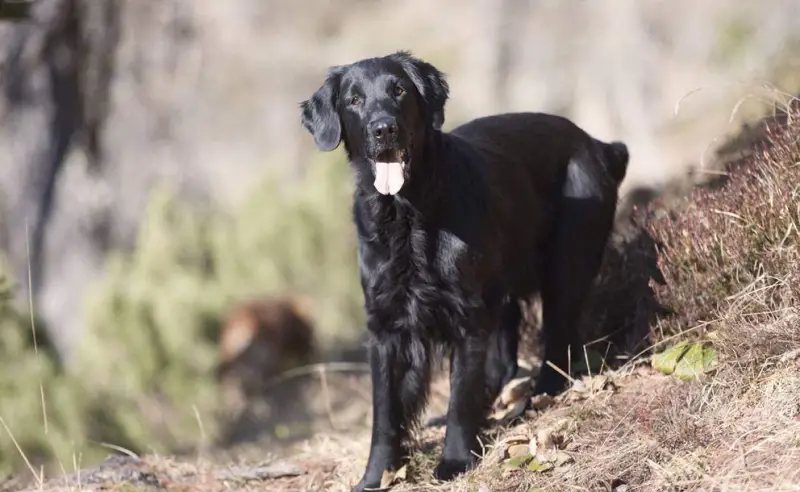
(586, 358)
(560, 371)
(77, 469)
(39, 478)
(203, 437)
(118, 448)
(313, 368)
(33, 328)
(326, 396)
(569, 362)
(268, 472)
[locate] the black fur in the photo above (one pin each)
(494, 211)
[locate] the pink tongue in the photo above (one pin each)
(388, 177)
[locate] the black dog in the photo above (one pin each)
(453, 229)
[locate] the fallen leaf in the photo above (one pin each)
(500, 455)
(390, 478)
(515, 390)
(572, 395)
(518, 450)
(537, 466)
(546, 455)
(560, 425)
(551, 438)
(562, 458)
(518, 461)
(542, 401)
(582, 388)
(685, 361)
(643, 370)
(386, 479)
(512, 401)
(697, 360)
(544, 438)
(597, 384)
(666, 361)
(517, 409)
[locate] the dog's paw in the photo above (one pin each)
(449, 468)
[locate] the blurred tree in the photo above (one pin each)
(55, 90)
(509, 15)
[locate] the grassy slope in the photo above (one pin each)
(732, 265)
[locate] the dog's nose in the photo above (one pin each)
(383, 128)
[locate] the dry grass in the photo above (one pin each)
(737, 431)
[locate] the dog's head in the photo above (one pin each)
(382, 108)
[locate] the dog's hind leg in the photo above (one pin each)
(572, 260)
(508, 342)
(400, 368)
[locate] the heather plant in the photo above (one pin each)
(732, 241)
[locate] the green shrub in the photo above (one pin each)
(149, 355)
(144, 377)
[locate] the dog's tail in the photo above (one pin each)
(617, 157)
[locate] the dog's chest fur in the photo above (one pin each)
(414, 275)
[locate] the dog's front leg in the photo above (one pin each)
(400, 375)
(467, 409)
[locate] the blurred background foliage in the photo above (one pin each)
(143, 378)
(29, 376)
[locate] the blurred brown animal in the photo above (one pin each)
(260, 339)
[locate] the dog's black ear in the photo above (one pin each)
(320, 116)
(430, 83)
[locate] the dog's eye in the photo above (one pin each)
(398, 90)
(354, 101)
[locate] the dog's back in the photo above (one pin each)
(538, 146)
(532, 160)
